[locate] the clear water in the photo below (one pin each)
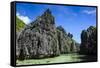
(59, 59)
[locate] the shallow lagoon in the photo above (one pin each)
(63, 58)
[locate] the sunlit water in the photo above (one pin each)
(64, 58)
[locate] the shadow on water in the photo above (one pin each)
(89, 58)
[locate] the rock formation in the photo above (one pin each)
(66, 43)
(89, 41)
(41, 39)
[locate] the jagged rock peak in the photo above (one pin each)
(47, 11)
(46, 17)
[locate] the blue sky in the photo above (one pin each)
(72, 18)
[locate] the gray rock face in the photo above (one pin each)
(66, 43)
(89, 41)
(41, 39)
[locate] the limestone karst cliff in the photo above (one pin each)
(41, 38)
(89, 41)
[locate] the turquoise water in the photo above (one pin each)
(59, 59)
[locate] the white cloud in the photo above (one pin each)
(25, 19)
(89, 11)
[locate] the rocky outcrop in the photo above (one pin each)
(89, 41)
(41, 39)
(66, 43)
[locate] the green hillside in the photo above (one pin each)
(19, 24)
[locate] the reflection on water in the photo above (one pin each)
(59, 59)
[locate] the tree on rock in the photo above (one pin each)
(70, 35)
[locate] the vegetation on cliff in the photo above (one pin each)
(19, 24)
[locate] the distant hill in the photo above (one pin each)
(19, 24)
